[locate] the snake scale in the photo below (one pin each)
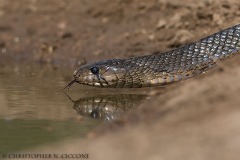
(161, 68)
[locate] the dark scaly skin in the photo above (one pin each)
(162, 68)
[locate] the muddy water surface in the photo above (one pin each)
(35, 110)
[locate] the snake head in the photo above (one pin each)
(108, 73)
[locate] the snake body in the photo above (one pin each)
(161, 68)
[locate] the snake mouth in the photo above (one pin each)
(70, 84)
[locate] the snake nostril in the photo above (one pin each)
(75, 73)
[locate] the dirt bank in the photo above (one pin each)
(75, 32)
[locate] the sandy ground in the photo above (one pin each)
(196, 119)
(75, 32)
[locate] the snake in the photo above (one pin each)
(161, 68)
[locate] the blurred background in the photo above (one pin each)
(43, 41)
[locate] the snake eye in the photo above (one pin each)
(94, 70)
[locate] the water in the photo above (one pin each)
(35, 110)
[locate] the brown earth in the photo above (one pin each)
(196, 119)
(73, 32)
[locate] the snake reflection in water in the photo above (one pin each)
(106, 106)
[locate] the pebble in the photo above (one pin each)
(105, 20)
(3, 50)
(16, 39)
(161, 24)
(97, 52)
(62, 25)
(126, 35)
(140, 32)
(151, 37)
(217, 19)
(66, 35)
(181, 37)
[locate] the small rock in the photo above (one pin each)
(143, 31)
(105, 20)
(52, 48)
(16, 39)
(161, 24)
(181, 37)
(66, 35)
(226, 5)
(174, 22)
(151, 37)
(204, 15)
(217, 19)
(140, 32)
(126, 35)
(4, 50)
(97, 53)
(141, 6)
(62, 25)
